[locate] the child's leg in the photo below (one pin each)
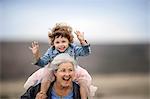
(46, 81)
(48, 77)
(34, 79)
(83, 89)
(45, 85)
(44, 88)
(83, 78)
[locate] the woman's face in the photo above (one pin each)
(65, 74)
(61, 43)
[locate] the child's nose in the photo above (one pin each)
(60, 44)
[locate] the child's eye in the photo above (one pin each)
(57, 42)
(63, 41)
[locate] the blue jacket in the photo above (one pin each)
(73, 50)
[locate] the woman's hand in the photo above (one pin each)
(41, 95)
(35, 49)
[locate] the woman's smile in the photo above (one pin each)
(66, 78)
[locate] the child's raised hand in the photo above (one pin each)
(35, 49)
(80, 35)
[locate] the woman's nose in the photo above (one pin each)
(67, 73)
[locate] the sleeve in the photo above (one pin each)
(44, 59)
(82, 50)
(31, 92)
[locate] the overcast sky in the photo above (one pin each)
(102, 21)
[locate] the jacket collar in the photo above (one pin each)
(76, 91)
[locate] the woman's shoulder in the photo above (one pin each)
(76, 85)
(76, 91)
(31, 92)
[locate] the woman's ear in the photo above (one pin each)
(55, 73)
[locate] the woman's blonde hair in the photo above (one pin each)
(60, 29)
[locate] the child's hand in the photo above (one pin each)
(80, 35)
(35, 49)
(41, 95)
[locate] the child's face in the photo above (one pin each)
(61, 43)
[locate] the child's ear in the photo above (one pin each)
(49, 33)
(49, 40)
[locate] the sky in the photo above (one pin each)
(102, 21)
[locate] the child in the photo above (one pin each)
(61, 39)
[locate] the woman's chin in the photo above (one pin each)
(66, 84)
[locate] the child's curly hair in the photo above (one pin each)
(60, 29)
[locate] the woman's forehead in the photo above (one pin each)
(66, 65)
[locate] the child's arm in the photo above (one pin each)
(35, 50)
(40, 61)
(80, 36)
(84, 49)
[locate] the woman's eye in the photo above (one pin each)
(63, 70)
(70, 70)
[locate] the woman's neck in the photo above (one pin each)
(62, 91)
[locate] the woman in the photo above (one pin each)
(63, 67)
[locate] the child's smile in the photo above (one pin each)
(62, 48)
(61, 43)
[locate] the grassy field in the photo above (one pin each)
(116, 86)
